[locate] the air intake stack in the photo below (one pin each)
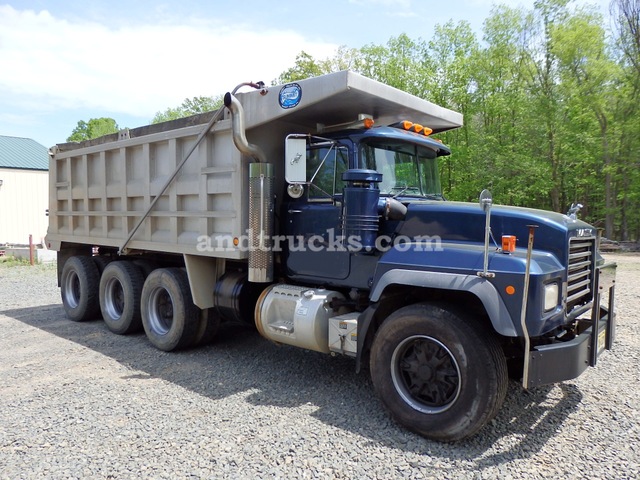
(360, 211)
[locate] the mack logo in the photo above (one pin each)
(584, 232)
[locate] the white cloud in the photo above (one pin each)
(137, 70)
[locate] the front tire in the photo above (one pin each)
(169, 317)
(439, 373)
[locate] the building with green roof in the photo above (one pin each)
(24, 191)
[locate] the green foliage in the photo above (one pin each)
(305, 67)
(94, 128)
(190, 106)
(551, 105)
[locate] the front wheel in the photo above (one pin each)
(439, 373)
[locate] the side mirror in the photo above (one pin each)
(295, 159)
(486, 200)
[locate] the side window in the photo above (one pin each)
(325, 166)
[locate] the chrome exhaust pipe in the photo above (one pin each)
(261, 222)
(238, 129)
(261, 199)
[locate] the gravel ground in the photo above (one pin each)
(79, 402)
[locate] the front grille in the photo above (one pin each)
(580, 271)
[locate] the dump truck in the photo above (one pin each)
(314, 212)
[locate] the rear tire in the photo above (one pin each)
(79, 284)
(146, 266)
(169, 317)
(101, 262)
(439, 373)
(207, 328)
(120, 291)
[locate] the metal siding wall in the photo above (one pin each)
(24, 198)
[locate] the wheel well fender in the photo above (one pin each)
(390, 293)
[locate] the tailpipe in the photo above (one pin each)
(238, 129)
(261, 204)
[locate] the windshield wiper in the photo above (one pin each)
(430, 196)
(404, 189)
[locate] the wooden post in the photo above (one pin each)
(31, 249)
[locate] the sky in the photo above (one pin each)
(65, 61)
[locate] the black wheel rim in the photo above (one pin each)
(425, 374)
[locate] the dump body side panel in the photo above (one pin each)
(98, 193)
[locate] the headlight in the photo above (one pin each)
(551, 291)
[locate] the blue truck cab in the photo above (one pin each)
(369, 219)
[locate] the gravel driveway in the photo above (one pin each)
(79, 402)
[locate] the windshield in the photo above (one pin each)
(407, 169)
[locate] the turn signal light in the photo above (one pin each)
(508, 243)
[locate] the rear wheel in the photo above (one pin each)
(146, 266)
(207, 327)
(101, 262)
(79, 288)
(169, 317)
(120, 291)
(439, 373)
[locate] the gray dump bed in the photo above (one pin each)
(100, 189)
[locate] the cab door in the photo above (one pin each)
(312, 223)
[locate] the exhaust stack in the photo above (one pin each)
(261, 200)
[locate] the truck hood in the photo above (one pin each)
(465, 223)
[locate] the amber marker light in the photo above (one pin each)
(508, 243)
(368, 122)
(406, 124)
(510, 289)
(236, 241)
(427, 131)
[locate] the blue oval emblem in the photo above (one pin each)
(290, 95)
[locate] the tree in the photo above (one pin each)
(450, 83)
(305, 67)
(626, 152)
(551, 105)
(190, 106)
(400, 63)
(94, 128)
(585, 72)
